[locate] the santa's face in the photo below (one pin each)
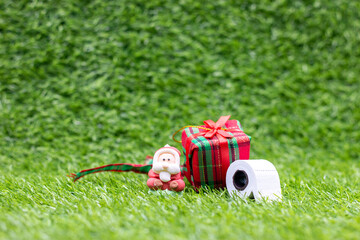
(166, 159)
(166, 162)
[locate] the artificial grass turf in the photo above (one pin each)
(86, 83)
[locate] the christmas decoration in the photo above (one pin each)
(209, 150)
(165, 172)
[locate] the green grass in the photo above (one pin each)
(86, 83)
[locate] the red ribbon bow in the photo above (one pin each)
(216, 128)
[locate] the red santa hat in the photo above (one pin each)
(168, 149)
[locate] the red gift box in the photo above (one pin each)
(211, 148)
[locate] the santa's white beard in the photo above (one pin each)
(165, 174)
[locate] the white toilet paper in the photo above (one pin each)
(256, 179)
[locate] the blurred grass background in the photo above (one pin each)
(86, 83)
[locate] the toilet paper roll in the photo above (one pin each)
(256, 179)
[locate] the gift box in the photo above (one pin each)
(211, 148)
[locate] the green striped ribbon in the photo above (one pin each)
(117, 167)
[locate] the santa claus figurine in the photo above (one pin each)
(165, 172)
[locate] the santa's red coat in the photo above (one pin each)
(166, 185)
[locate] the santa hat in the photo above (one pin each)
(168, 149)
